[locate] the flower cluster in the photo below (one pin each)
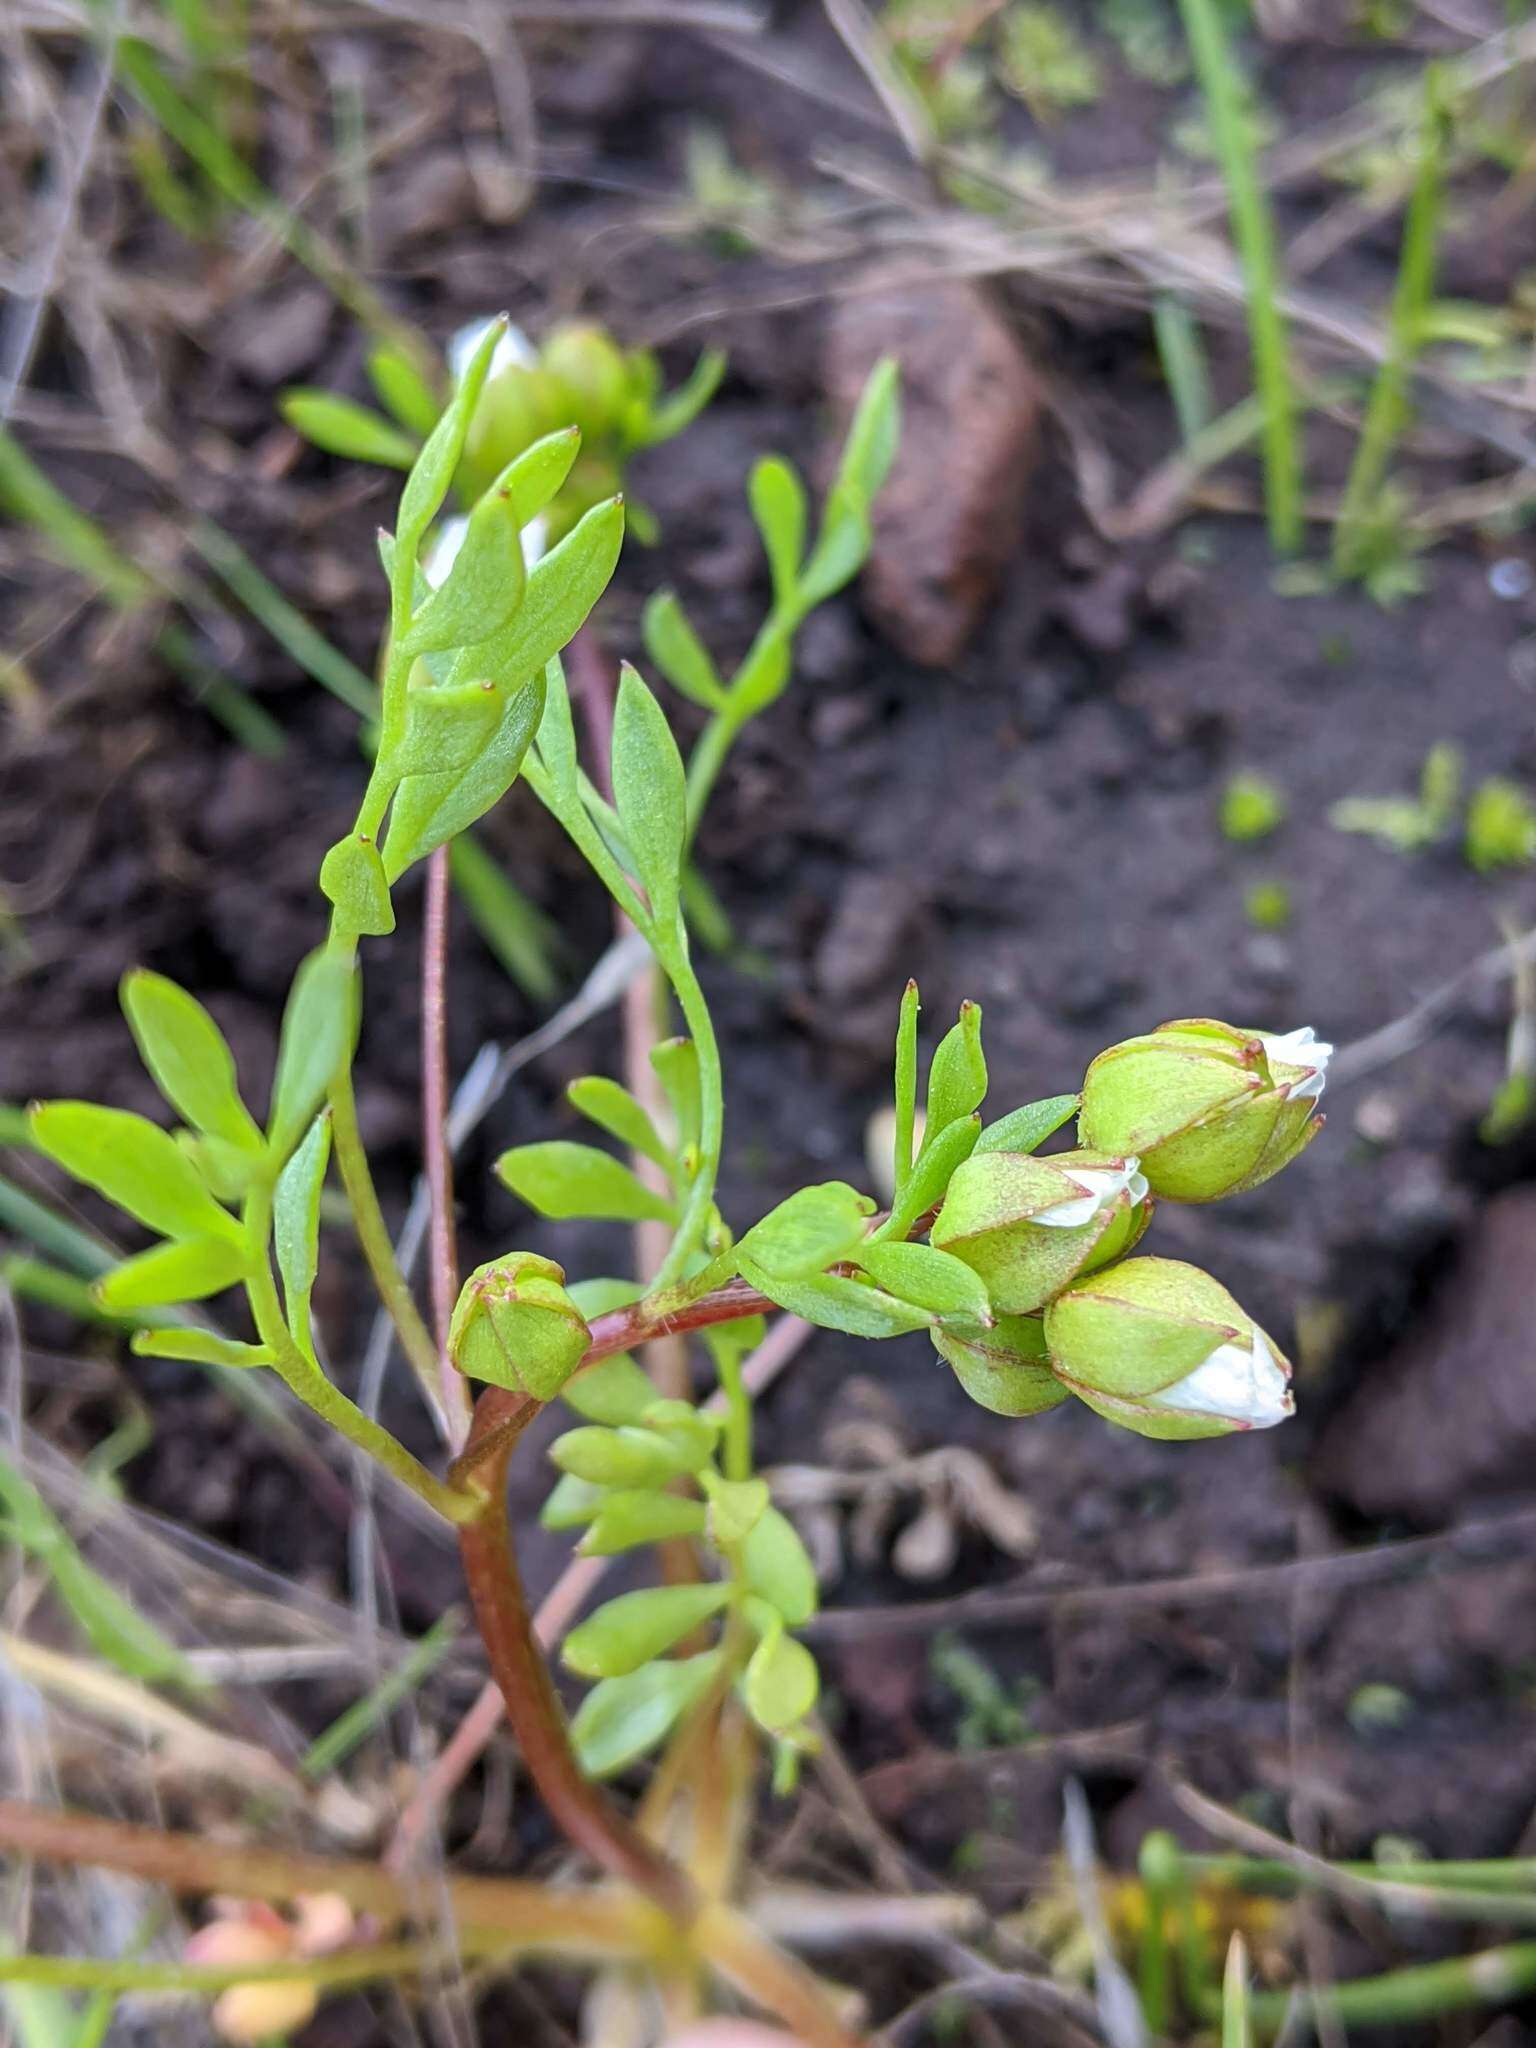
(1191, 1112)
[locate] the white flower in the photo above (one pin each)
(1243, 1383)
(1100, 1185)
(1301, 1048)
(514, 350)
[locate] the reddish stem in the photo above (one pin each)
(443, 1256)
(584, 1813)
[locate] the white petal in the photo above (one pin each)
(514, 348)
(443, 550)
(1241, 1382)
(1302, 1048)
(1100, 1186)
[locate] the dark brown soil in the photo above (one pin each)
(1034, 828)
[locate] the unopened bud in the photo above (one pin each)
(515, 1326)
(592, 370)
(1028, 1225)
(1161, 1348)
(1006, 1368)
(1209, 1110)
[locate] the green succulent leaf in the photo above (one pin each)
(296, 1225)
(624, 1719)
(623, 1458)
(572, 1503)
(777, 497)
(957, 1079)
(188, 1270)
(650, 793)
(188, 1058)
(614, 1393)
(319, 1031)
(1026, 1129)
(197, 1347)
(905, 1088)
(342, 427)
(625, 1520)
(781, 1682)
(736, 1506)
(433, 469)
(134, 1164)
(676, 1065)
(627, 1632)
(777, 1567)
(813, 1229)
(874, 435)
(925, 1185)
(562, 1179)
(676, 649)
(352, 879)
(614, 1110)
(531, 480)
(403, 391)
(680, 408)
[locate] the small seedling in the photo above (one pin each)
(1501, 827)
(1267, 906)
(1408, 824)
(1251, 808)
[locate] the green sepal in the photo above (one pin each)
(429, 809)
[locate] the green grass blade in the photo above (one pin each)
(287, 625)
(1182, 355)
(1253, 232)
(337, 1742)
(1387, 412)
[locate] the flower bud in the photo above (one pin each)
(1028, 1225)
(515, 1326)
(594, 373)
(1208, 1109)
(1006, 1368)
(1162, 1348)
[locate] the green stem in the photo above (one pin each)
(738, 1413)
(694, 1220)
(1495, 1976)
(373, 1236)
(304, 1377)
